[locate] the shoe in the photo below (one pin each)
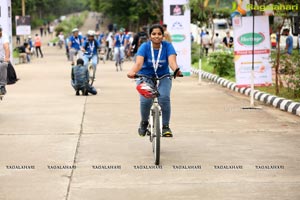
(77, 93)
(85, 92)
(166, 131)
(143, 128)
(2, 90)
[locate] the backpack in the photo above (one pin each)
(142, 39)
(11, 75)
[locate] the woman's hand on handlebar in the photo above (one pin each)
(131, 74)
(177, 73)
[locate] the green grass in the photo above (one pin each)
(15, 54)
(210, 69)
(54, 40)
(283, 92)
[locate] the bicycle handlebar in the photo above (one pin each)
(159, 78)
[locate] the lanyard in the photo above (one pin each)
(77, 40)
(121, 39)
(155, 63)
(92, 46)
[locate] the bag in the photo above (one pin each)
(142, 39)
(11, 75)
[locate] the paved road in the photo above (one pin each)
(57, 146)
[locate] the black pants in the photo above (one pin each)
(37, 53)
(206, 50)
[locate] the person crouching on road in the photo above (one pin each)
(80, 79)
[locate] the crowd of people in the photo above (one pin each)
(216, 43)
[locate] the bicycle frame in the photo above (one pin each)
(91, 71)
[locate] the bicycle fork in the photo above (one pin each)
(152, 121)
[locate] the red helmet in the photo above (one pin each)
(146, 90)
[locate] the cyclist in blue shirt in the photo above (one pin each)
(75, 42)
(90, 50)
(153, 59)
(101, 37)
(119, 44)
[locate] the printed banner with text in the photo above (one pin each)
(243, 47)
(23, 25)
(178, 18)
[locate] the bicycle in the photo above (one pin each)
(60, 44)
(118, 59)
(154, 129)
(102, 52)
(91, 71)
(77, 54)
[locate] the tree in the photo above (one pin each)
(41, 10)
(129, 13)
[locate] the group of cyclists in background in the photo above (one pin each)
(85, 50)
(110, 45)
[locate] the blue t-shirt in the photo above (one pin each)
(101, 36)
(76, 42)
(119, 40)
(289, 43)
(91, 47)
(163, 64)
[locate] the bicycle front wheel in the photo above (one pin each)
(91, 74)
(156, 136)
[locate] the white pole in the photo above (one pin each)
(252, 89)
(200, 72)
(252, 71)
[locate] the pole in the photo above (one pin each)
(23, 8)
(200, 72)
(252, 70)
(23, 14)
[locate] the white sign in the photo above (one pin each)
(23, 25)
(243, 48)
(177, 16)
(6, 20)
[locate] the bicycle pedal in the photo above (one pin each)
(148, 133)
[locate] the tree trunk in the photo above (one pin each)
(278, 59)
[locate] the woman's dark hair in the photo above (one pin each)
(156, 26)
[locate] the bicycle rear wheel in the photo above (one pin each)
(156, 136)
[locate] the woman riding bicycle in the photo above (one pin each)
(153, 60)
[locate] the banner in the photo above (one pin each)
(6, 20)
(243, 45)
(23, 25)
(177, 16)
